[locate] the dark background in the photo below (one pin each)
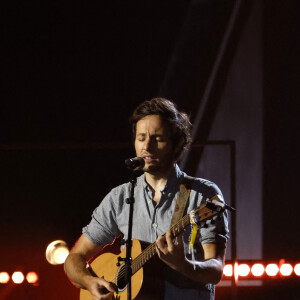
(72, 73)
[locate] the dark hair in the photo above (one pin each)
(179, 122)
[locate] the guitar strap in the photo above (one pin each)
(182, 198)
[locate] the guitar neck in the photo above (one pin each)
(150, 251)
(203, 213)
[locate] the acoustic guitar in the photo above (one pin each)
(106, 265)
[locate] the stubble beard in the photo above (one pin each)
(158, 169)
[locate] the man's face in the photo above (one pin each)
(153, 144)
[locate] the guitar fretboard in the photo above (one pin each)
(150, 251)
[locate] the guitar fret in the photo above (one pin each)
(141, 259)
(150, 251)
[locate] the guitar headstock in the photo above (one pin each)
(216, 203)
(211, 207)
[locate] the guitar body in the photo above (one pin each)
(146, 283)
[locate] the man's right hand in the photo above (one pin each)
(80, 275)
(100, 289)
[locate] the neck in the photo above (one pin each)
(158, 180)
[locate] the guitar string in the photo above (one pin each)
(150, 251)
(140, 260)
(143, 258)
(175, 229)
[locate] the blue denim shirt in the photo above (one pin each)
(110, 218)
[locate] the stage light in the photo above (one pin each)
(272, 269)
(297, 269)
(286, 269)
(32, 277)
(17, 277)
(228, 270)
(57, 252)
(236, 271)
(4, 277)
(257, 270)
(243, 270)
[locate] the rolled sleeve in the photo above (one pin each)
(103, 227)
(214, 230)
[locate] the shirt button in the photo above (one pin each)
(154, 225)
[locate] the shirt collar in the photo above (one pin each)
(174, 179)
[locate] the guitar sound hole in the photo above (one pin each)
(121, 277)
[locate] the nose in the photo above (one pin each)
(147, 144)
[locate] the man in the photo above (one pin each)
(161, 134)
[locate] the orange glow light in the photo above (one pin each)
(243, 270)
(286, 269)
(57, 252)
(32, 277)
(297, 269)
(17, 277)
(228, 270)
(272, 269)
(4, 277)
(257, 270)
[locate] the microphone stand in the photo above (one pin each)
(128, 242)
(128, 261)
(134, 164)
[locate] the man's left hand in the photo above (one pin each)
(171, 250)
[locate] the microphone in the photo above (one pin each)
(136, 163)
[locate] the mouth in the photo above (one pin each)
(148, 158)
